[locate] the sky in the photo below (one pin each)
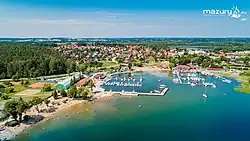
(122, 18)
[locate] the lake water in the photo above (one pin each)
(182, 114)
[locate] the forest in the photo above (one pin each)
(25, 60)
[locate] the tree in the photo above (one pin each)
(82, 68)
(120, 60)
(10, 108)
(46, 102)
(129, 74)
(130, 65)
(63, 93)
(26, 82)
(138, 63)
(91, 84)
(171, 65)
(22, 82)
(4, 96)
(9, 90)
(72, 92)
(46, 88)
(83, 92)
(21, 107)
(35, 101)
(54, 94)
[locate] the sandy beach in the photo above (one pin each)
(150, 68)
(59, 105)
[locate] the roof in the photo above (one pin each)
(182, 67)
(215, 68)
(82, 82)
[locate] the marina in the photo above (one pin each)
(197, 78)
(133, 85)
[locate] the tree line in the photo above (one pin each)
(24, 60)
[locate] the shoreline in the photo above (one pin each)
(11, 132)
(14, 131)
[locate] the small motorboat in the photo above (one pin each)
(204, 95)
(156, 91)
(213, 86)
(226, 80)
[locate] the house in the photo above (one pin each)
(82, 82)
(216, 69)
(183, 67)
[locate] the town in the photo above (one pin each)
(43, 80)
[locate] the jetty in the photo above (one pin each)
(162, 93)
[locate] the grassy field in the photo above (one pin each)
(244, 80)
(244, 89)
(29, 97)
(18, 88)
(108, 64)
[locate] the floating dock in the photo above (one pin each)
(162, 93)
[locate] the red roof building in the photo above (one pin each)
(82, 82)
(215, 69)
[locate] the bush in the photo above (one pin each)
(4, 96)
(22, 82)
(72, 92)
(7, 83)
(2, 86)
(12, 123)
(63, 93)
(54, 94)
(26, 82)
(35, 101)
(9, 90)
(46, 88)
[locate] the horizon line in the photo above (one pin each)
(72, 37)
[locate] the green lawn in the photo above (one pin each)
(245, 84)
(108, 64)
(27, 98)
(18, 88)
(244, 89)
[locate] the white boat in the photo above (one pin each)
(156, 91)
(213, 86)
(133, 92)
(226, 81)
(192, 84)
(204, 95)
